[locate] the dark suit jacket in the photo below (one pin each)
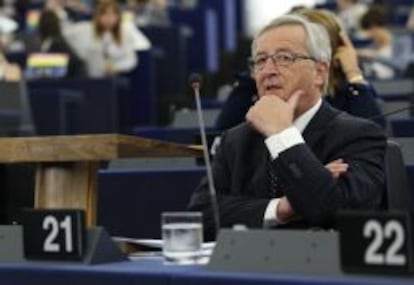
(242, 184)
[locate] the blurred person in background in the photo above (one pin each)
(8, 29)
(58, 6)
(149, 12)
(350, 13)
(410, 20)
(52, 41)
(9, 24)
(347, 89)
(9, 71)
(107, 45)
(185, 4)
(375, 24)
(81, 6)
(7, 8)
(67, 8)
(21, 7)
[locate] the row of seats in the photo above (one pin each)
(396, 99)
(132, 200)
(399, 10)
(76, 106)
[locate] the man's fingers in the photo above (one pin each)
(294, 99)
(337, 167)
(337, 170)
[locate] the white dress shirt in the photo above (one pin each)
(282, 141)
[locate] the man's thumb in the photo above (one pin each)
(294, 99)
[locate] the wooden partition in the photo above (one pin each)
(66, 175)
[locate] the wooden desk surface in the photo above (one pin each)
(88, 148)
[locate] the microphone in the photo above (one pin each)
(396, 111)
(195, 81)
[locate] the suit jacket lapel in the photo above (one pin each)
(257, 166)
(318, 124)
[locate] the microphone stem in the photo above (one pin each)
(214, 203)
(396, 111)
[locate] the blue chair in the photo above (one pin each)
(130, 202)
(98, 110)
(15, 110)
(410, 175)
(203, 42)
(399, 195)
(62, 116)
(138, 106)
(394, 89)
(169, 49)
(402, 127)
(226, 15)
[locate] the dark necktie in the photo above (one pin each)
(273, 185)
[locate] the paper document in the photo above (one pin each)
(157, 243)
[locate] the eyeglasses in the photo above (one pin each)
(278, 59)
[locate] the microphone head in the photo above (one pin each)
(195, 80)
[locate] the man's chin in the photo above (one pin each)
(275, 93)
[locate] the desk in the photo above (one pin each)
(66, 175)
(152, 271)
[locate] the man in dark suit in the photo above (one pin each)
(297, 160)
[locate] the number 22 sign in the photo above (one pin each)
(376, 242)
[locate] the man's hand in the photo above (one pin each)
(285, 212)
(337, 167)
(271, 115)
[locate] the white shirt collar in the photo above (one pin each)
(303, 120)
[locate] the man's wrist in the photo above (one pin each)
(270, 218)
(281, 213)
(279, 142)
(276, 131)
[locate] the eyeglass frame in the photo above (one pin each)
(295, 57)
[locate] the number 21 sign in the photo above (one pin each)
(54, 234)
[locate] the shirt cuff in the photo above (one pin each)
(270, 217)
(280, 142)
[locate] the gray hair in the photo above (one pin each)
(317, 38)
(317, 41)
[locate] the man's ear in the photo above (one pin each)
(322, 73)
